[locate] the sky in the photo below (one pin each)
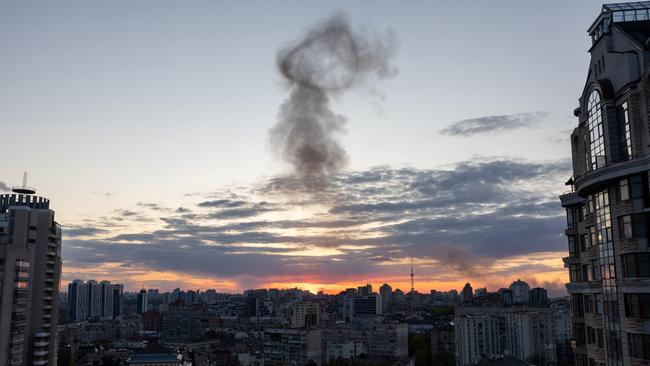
(148, 125)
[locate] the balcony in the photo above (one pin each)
(41, 344)
(612, 172)
(41, 353)
(40, 362)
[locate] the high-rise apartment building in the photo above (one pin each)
(608, 207)
(30, 271)
(519, 290)
(142, 302)
(93, 301)
(386, 292)
(484, 333)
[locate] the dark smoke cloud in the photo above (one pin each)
(329, 60)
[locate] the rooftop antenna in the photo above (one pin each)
(23, 189)
(412, 287)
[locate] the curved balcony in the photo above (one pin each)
(40, 362)
(42, 334)
(595, 178)
(41, 353)
(41, 344)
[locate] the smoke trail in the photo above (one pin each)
(329, 60)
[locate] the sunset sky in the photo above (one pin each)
(147, 125)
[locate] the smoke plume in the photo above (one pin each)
(328, 60)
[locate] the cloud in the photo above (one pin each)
(71, 232)
(459, 222)
(491, 124)
(222, 203)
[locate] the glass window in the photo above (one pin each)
(623, 190)
(571, 219)
(624, 132)
(636, 265)
(597, 156)
(639, 345)
(636, 186)
(633, 226)
(637, 305)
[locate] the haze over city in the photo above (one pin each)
(153, 128)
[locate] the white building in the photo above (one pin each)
(519, 290)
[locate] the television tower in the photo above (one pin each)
(412, 286)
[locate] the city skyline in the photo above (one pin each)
(165, 177)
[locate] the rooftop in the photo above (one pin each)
(619, 13)
(146, 358)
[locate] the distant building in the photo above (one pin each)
(386, 292)
(505, 295)
(305, 314)
(93, 301)
(182, 323)
(538, 297)
(519, 290)
(364, 290)
(481, 293)
(398, 296)
(142, 302)
(344, 350)
(77, 301)
(369, 305)
(467, 294)
(117, 300)
(152, 320)
(292, 347)
(443, 339)
(156, 360)
(484, 333)
(384, 339)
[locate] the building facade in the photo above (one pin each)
(30, 271)
(608, 206)
(92, 301)
(305, 314)
(292, 346)
(488, 333)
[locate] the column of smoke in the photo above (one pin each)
(327, 61)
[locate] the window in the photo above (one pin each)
(597, 157)
(636, 264)
(584, 240)
(624, 132)
(575, 274)
(589, 304)
(636, 187)
(587, 272)
(579, 333)
(601, 340)
(623, 190)
(632, 226)
(573, 246)
(577, 306)
(571, 219)
(637, 306)
(598, 299)
(591, 335)
(639, 345)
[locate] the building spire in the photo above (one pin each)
(412, 286)
(24, 189)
